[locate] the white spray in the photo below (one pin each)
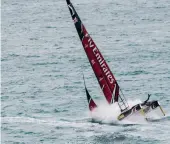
(108, 114)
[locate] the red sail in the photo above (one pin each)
(103, 74)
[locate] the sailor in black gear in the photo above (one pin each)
(145, 102)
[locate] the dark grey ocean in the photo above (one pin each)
(42, 93)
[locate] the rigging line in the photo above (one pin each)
(82, 69)
(122, 97)
(121, 91)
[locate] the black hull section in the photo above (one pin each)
(143, 109)
(129, 112)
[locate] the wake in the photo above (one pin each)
(48, 122)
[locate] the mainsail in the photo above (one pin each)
(103, 73)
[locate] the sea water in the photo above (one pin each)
(43, 98)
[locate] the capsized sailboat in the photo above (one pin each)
(105, 77)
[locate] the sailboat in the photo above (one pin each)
(105, 77)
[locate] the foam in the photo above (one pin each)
(108, 114)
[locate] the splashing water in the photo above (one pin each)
(108, 114)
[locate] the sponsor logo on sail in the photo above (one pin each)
(100, 60)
